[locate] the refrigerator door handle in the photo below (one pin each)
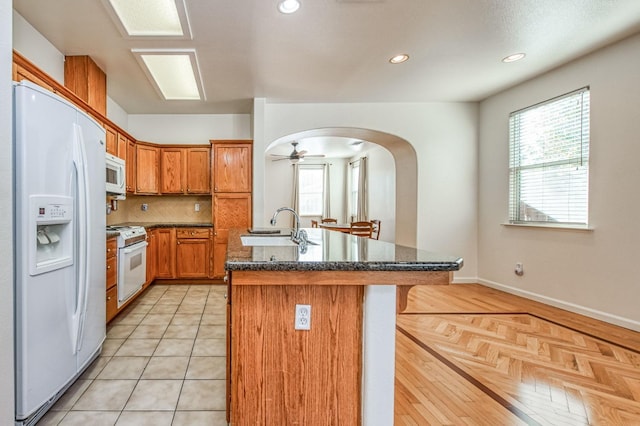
(80, 164)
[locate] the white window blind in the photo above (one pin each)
(311, 188)
(549, 161)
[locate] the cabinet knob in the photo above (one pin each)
(108, 298)
(108, 266)
(178, 242)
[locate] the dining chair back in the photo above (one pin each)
(329, 220)
(361, 229)
(314, 223)
(376, 229)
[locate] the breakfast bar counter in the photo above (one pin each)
(312, 327)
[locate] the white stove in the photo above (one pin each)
(128, 235)
(132, 260)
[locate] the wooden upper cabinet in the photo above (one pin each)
(83, 77)
(147, 166)
(185, 170)
(21, 73)
(198, 176)
(131, 166)
(171, 170)
(232, 167)
(122, 146)
(112, 140)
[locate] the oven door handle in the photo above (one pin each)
(135, 247)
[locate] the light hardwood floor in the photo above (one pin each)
(468, 354)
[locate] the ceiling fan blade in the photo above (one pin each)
(301, 153)
(279, 155)
(314, 155)
(280, 159)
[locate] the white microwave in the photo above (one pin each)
(115, 177)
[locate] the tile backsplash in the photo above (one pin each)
(164, 208)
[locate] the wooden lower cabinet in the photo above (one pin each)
(112, 278)
(182, 253)
(193, 252)
(152, 256)
(166, 253)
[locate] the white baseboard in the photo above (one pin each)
(592, 313)
(465, 280)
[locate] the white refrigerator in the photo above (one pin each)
(59, 247)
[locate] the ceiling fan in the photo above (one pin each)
(295, 155)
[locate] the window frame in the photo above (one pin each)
(547, 162)
(301, 170)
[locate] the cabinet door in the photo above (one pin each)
(192, 258)
(166, 252)
(152, 256)
(147, 163)
(112, 140)
(198, 170)
(230, 210)
(122, 146)
(171, 170)
(232, 167)
(131, 166)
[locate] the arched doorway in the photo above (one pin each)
(406, 167)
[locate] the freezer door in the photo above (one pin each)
(45, 359)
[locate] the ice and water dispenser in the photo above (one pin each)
(51, 228)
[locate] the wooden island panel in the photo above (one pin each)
(287, 376)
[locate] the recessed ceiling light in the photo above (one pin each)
(174, 73)
(514, 57)
(151, 18)
(288, 6)
(398, 59)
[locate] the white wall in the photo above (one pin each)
(33, 46)
(591, 272)
(189, 128)
(443, 136)
(382, 190)
(6, 212)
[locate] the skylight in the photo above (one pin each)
(152, 18)
(174, 73)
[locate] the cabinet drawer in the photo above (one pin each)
(192, 232)
(112, 271)
(112, 247)
(112, 303)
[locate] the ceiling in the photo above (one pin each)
(338, 50)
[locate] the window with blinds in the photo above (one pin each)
(549, 161)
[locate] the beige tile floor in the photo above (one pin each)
(163, 363)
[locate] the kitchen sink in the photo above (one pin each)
(270, 240)
(267, 240)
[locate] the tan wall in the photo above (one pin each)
(169, 209)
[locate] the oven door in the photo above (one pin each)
(132, 270)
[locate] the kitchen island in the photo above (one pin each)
(340, 370)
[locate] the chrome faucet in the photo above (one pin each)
(298, 235)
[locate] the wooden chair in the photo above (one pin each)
(329, 220)
(314, 223)
(361, 229)
(376, 229)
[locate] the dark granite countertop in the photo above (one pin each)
(334, 251)
(151, 225)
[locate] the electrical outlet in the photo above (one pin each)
(144, 207)
(303, 317)
(197, 207)
(519, 269)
